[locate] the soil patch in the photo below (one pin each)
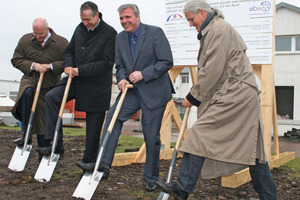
(124, 182)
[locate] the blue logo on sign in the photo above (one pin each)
(264, 6)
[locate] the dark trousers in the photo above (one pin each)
(151, 122)
(94, 122)
(262, 180)
(26, 102)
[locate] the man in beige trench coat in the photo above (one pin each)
(228, 135)
(38, 52)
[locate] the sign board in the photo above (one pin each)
(253, 19)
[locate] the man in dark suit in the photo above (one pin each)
(88, 59)
(143, 57)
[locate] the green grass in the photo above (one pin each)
(293, 165)
(74, 131)
(11, 128)
(125, 142)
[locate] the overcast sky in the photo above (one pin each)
(63, 17)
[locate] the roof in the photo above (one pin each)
(286, 5)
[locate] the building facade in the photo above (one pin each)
(287, 60)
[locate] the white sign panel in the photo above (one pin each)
(253, 19)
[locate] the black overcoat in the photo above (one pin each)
(93, 53)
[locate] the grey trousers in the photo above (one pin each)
(151, 122)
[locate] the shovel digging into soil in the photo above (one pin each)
(162, 195)
(90, 181)
(48, 163)
(21, 154)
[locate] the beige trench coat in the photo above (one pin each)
(228, 131)
(28, 51)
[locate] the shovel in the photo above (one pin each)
(89, 181)
(21, 154)
(162, 195)
(48, 162)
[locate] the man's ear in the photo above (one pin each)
(203, 13)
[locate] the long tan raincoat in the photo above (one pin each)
(28, 51)
(228, 132)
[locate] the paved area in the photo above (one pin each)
(289, 146)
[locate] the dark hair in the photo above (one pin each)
(88, 5)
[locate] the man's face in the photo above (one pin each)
(129, 21)
(196, 20)
(40, 32)
(88, 19)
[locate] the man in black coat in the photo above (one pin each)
(89, 59)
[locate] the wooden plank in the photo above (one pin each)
(166, 126)
(275, 126)
(257, 71)
(237, 179)
(175, 71)
(168, 154)
(140, 156)
(281, 159)
(267, 95)
(122, 159)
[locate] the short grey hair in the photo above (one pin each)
(134, 7)
(195, 5)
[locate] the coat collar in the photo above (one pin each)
(208, 27)
(98, 27)
(53, 37)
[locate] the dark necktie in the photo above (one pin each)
(133, 41)
(42, 43)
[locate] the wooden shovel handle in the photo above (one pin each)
(118, 108)
(37, 92)
(64, 100)
(182, 128)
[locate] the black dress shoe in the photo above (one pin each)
(20, 141)
(150, 187)
(43, 150)
(105, 172)
(47, 150)
(173, 189)
(89, 167)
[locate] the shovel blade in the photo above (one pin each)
(46, 168)
(87, 185)
(19, 158)
(163, 196)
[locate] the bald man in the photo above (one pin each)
(38, 52)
